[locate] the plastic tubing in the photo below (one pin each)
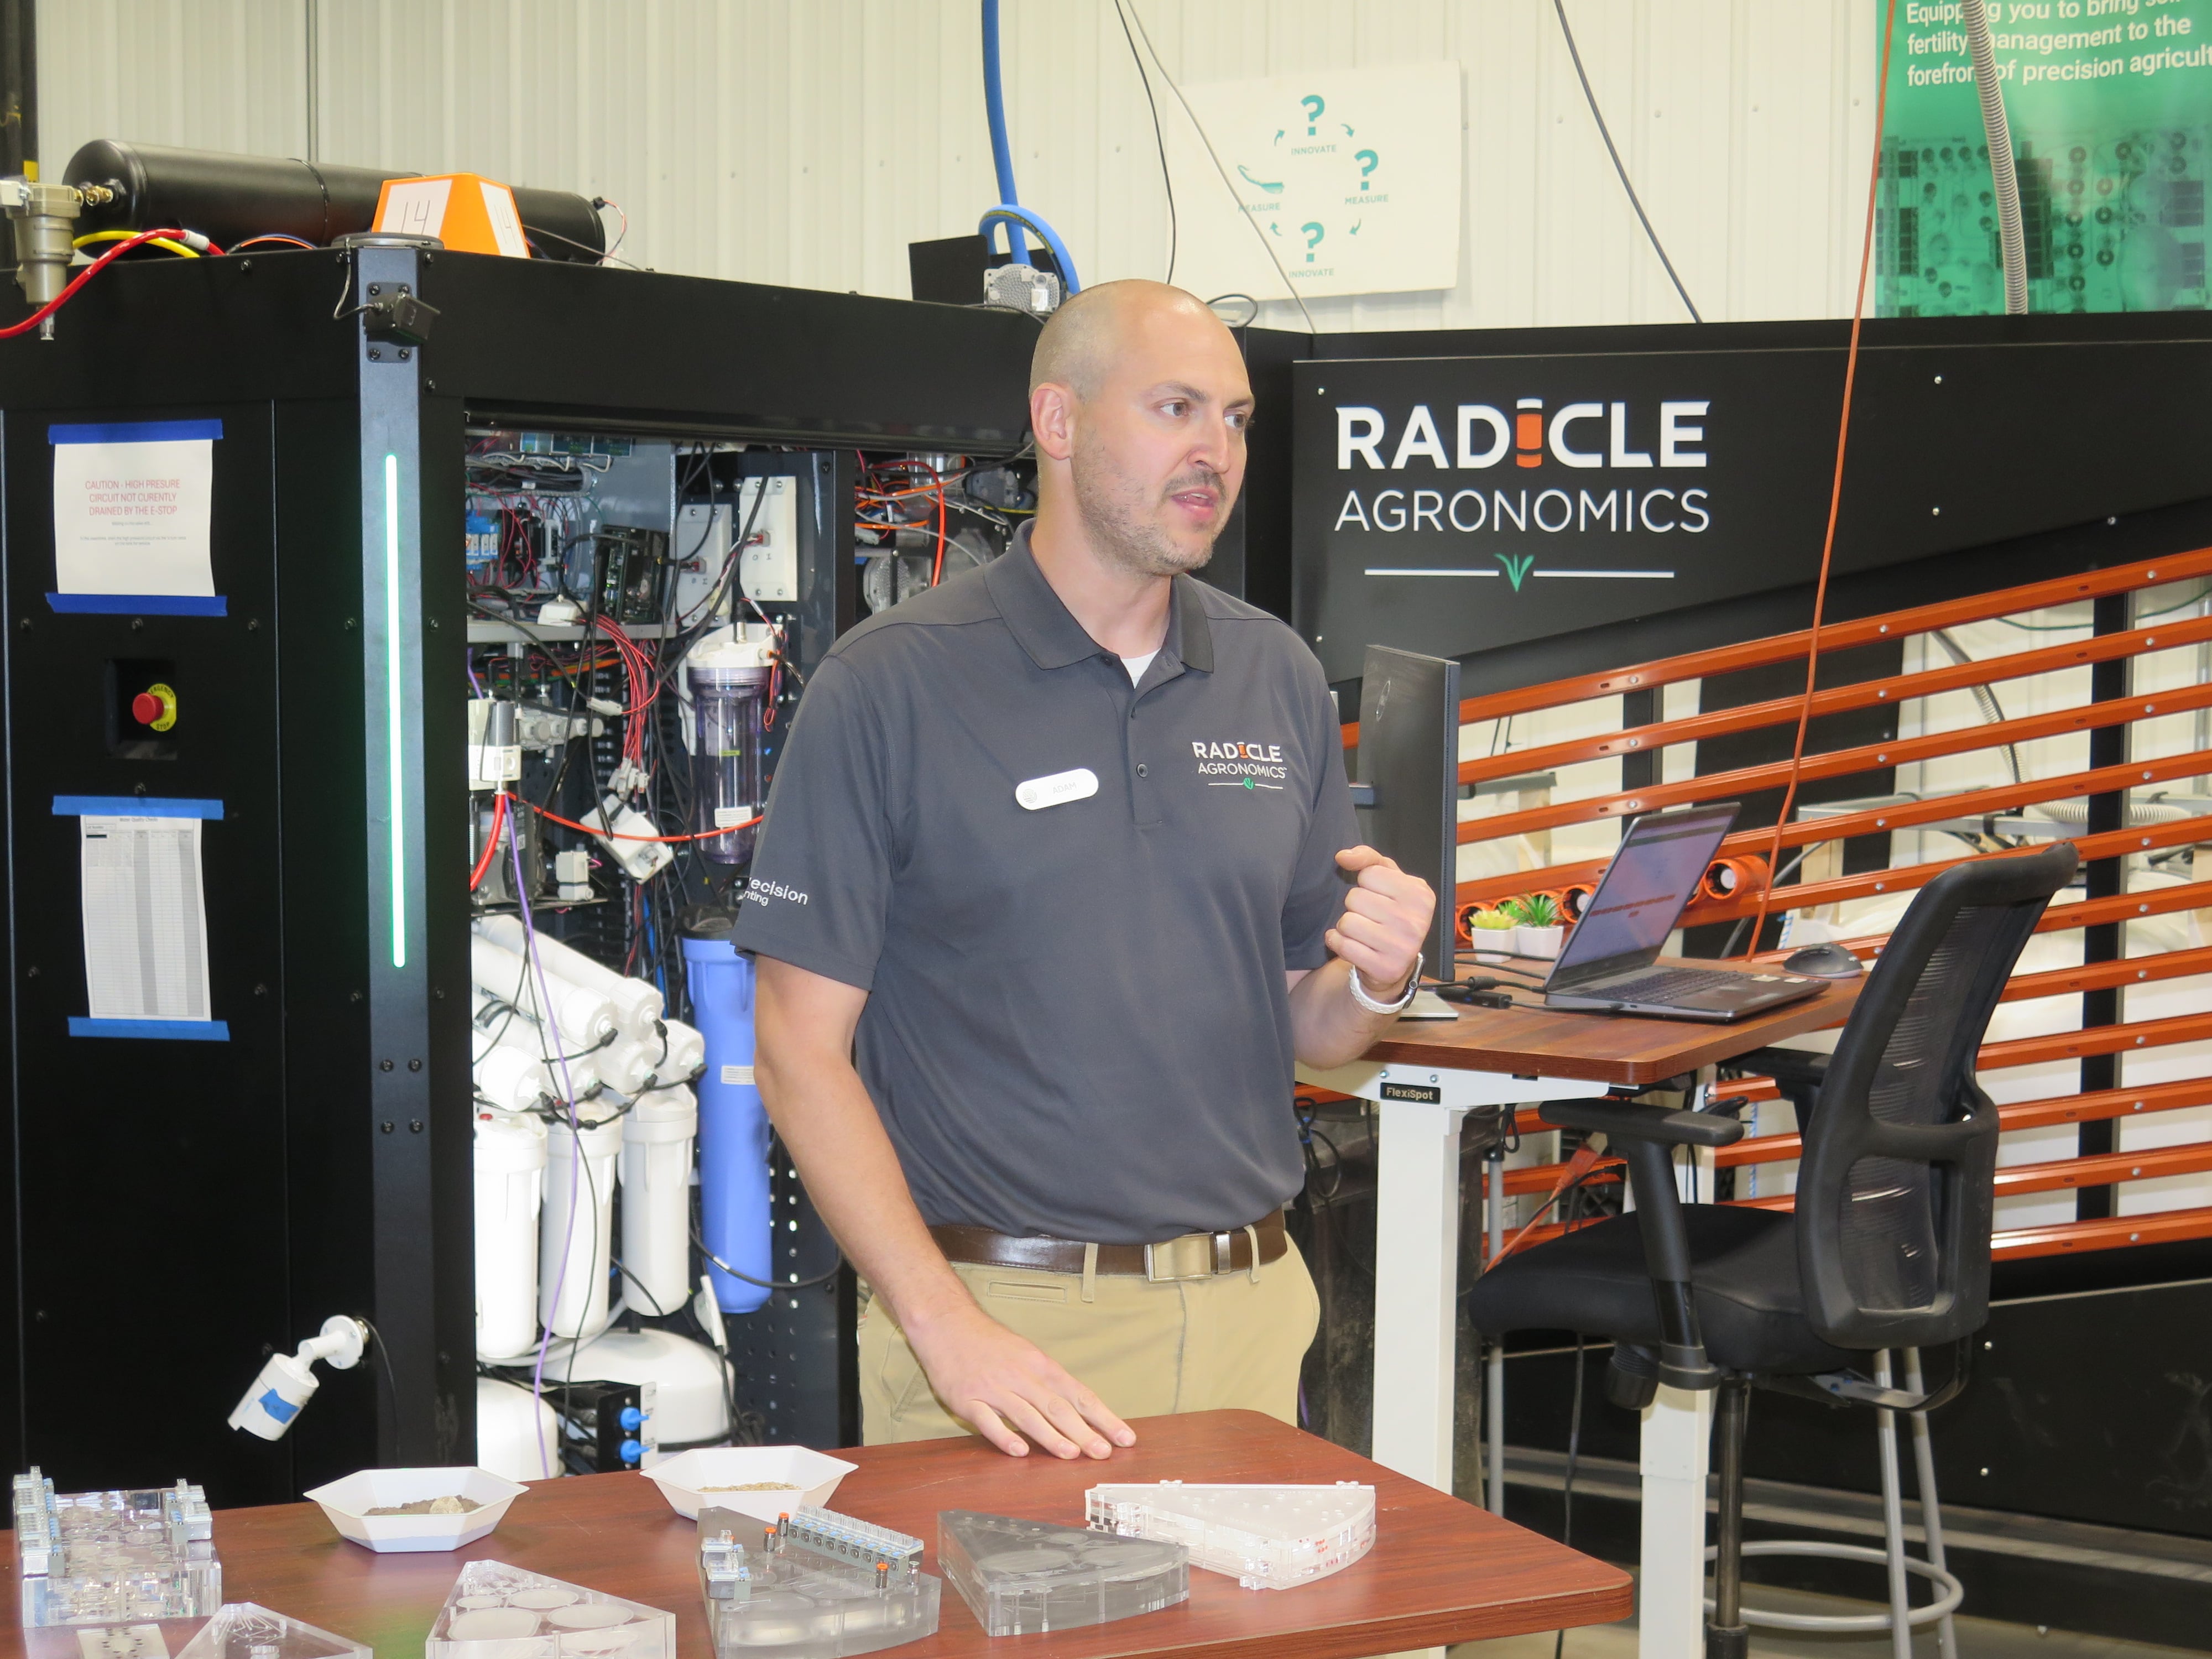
(1014, 218)
(2011, 240)
(994, 109)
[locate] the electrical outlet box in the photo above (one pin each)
(768, 564)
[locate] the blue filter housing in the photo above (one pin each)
(734, 1207)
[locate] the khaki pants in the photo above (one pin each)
(1189, 1344)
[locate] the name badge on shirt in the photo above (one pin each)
(1037, 793)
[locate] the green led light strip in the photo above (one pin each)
(392, 706)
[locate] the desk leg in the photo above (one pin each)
(1493, 1205)
(1670, 1608)
(1416, 1289)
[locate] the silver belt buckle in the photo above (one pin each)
(1190, 1256)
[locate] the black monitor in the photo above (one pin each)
(1409, 758)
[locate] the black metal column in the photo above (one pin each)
(1641, 769)
(2108, 746)
(403, 1242)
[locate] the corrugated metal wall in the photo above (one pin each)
(807, 141)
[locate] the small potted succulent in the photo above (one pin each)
(1490, 932)
(1538, 926)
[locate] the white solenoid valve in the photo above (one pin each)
(288, 1381)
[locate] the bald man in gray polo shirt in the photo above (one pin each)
(1059, 875)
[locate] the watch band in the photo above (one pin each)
(1412, 985)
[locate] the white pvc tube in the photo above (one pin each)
(636, 1002)
(656, 1185)
(510, 1172)
(583, 1018)
(576, 1243)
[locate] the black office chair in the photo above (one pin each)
(1888, 1246)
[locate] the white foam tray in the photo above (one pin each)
(344, 1505)
(682, 1477)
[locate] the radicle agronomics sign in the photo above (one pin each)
(1447, 505)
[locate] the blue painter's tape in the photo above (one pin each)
(134, 806)
(176, 1030)
(140, 605)
(135, 432)
(282, 1410)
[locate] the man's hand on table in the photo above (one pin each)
(1385, 922)
(1004, 1387)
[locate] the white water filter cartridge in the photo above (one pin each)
(582, 1018)
(508, 1078)
(576, 1233)
(636, 1002)
(656, 1199)
(687, 1050)
(510, 1174)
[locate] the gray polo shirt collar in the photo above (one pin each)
(1048, 632)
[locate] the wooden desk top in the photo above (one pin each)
(1441, 1571)
(1624, 1049)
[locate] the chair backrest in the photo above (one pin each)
(1896, 1186)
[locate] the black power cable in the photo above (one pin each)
(1560, 7)
(1167, 179)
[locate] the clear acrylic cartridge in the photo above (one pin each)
(820, 1585)
(105, 1557)
(1264, 1537)
(1018, 1577)
(245, 1629)
(500, 1612)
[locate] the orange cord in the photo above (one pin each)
(616, 834)
(1835, 493)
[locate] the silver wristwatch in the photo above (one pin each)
(1413, 984)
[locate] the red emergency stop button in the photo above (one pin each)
(155, 707)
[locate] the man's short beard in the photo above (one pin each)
(1116, 514)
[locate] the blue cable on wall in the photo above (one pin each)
(1009, 212)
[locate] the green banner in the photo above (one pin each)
(2109, 103)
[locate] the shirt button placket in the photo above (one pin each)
(1140, 798)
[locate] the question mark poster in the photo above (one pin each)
(1350, 179)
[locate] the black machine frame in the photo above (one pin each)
(227, 1196)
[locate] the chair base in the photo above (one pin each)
(1951, 1592)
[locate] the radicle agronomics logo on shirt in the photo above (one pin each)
(1240, 765)
(1624, 442)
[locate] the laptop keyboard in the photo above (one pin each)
(1663, 985)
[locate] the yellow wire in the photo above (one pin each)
(118, 235)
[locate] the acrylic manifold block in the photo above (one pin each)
(500, 1612)
(1018, 1577)
(1264, 1537)
(819, 1586)
(104, 1557)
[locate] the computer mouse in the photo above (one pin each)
(1823, 961)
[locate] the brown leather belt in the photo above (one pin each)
(1191, 1256)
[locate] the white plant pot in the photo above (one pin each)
(1542, 943)
(1491, 945)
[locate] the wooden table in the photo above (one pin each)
(1425, 1077)
(1441, 1571)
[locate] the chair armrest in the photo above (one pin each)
(1642, 1135)
(1625, 1120)
(1791, 1068)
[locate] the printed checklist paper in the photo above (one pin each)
(145, 917)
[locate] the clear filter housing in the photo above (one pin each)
(728, 682)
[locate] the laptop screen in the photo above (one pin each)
(1651, 877)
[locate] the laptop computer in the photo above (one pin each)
(1607, 960)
